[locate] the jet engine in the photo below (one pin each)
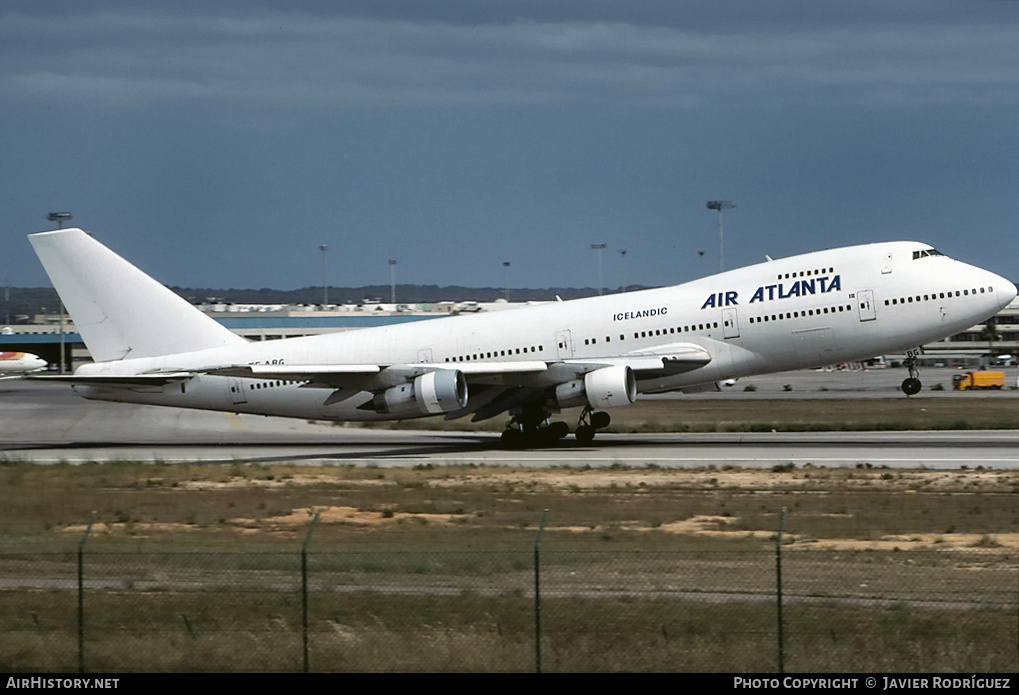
(602, 388)
(440, 391)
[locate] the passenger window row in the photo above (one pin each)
(272, 384)
(799, 314)
(587, 341)
(806, 273)
(497, 353)
(937, 295)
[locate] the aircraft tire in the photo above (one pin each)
(557, 430)
(600, 420)
(584, 435)
(911, 386)
(512, 439)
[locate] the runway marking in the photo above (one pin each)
(77, 421)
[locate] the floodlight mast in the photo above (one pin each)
(598, 248)
(325, 280)
(392, 282)
(59, 217)
(720, 205)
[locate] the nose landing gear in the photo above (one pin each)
(912, 385)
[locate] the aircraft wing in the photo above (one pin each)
(671, 359)
(676, 358)
(520, 376)
(369, 376)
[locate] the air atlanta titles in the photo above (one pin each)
(781, 290)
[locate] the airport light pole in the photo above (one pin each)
(505, 280)
(622, 270)
(392, 282)
(325, 282)
(598, 248)
(60, 218)
(720, 205)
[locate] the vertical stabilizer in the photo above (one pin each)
(120, 311)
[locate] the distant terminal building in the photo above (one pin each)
(275, 321)
(977, 346)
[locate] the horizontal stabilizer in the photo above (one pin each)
(125, 381)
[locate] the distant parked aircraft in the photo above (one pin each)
(20, 362)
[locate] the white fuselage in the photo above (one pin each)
(805, 311)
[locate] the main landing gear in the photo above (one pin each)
(532, 427)
(590, 422)
(912, 385)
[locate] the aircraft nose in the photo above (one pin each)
(1005, 291)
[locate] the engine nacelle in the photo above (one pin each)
(603, 388)
(441, 391)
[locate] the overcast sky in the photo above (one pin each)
(220, 144)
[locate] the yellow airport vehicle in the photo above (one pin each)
(978, 380)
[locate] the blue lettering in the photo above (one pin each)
(771, 291)
(758, 296)
(836, 284)
(730, 298)
(709, 302)
(807, 286)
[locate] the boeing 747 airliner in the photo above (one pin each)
(151, 346)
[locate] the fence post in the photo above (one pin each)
(81, 595)
(537, 594)
(304, 588)
(778, 594)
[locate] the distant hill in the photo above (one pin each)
(27, 301)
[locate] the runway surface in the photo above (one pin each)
(48, 423)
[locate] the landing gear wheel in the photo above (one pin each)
(557, 430)
(584, 435)
(590, 422)
(512, 439)
(911, 386)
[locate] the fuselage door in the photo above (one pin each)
(865, 300)
(236, 390)
(730, 324)
(564, 345)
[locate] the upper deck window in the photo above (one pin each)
(926, 252)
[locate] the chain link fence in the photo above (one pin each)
(530, 610)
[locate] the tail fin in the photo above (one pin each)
(120, 311)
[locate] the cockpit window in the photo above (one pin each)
(926, 252)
